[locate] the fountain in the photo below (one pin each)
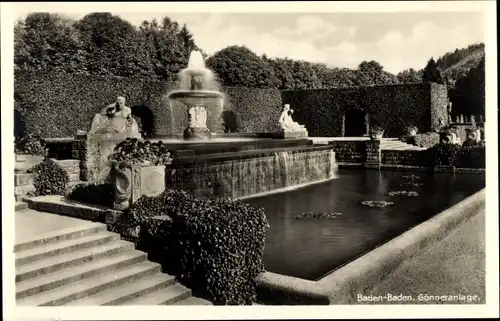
(196, 95)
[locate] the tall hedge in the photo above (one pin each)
(394, 107)
(59, 104)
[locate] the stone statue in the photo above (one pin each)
(113, 119)
(286, 122)
(198, 117)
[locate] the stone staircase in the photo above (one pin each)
(86, 265)
(396, 144)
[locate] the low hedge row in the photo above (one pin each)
(214, 246)
(58, 104)
(472, 156)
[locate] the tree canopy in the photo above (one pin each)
(104, 44)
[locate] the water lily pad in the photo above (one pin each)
(411, 184)
(379, 204)
(403, 193)
(410, 177)
(317, 216)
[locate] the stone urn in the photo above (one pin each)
(131, 181)
(376, 133)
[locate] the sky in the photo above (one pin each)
(397, 41)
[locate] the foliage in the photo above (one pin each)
(468, 96)
(239, 66)
(42, 96)
(30, 145)
(452, 58)
(432, 72)
(250, 110)
(371, 73)
(426, 139)
(134, 151)
(99, 194)
(49, 178)
(101, 44)
(213, 245)
(443, 154)
(409, 76)
(392, 106)
(472, 156)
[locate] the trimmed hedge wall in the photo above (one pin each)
(57, 104)
(214, 246)
(395, 107)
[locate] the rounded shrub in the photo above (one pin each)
(426, 139)
(30, 145)
(49, 178)
(214, 246)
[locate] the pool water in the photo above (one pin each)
(310, 248)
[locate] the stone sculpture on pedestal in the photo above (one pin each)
(290, 128)
(113, 124)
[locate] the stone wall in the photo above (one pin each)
(438, 104)
(403, 157)
(349, 151)
(247, 173)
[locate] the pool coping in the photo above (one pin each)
(338, 287)
(344, 284)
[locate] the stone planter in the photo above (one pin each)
(131, 181)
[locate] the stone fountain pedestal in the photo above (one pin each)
(197, 129)
(197, 133)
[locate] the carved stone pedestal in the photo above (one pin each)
(293, 134)
(197, 133)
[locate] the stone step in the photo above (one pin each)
(21, 206)
(52, 264)
(194, 301)
(87, 287)
(63, 247)
(74, 274)
(86, 228)
(126, 292)
(168, 295)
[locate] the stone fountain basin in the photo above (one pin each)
(180, 94)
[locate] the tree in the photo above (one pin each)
(432, 73)
(468, 96)
(304, 75)
(112, 44)
(46, 41)
(409, 76)
(239, 66)
(372, 73)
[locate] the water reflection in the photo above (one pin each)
(309, 248)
